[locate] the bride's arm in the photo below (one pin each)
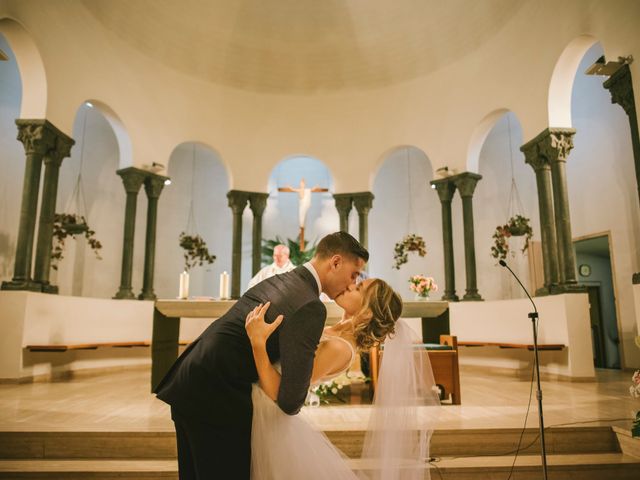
(259, 331)
(330, 357)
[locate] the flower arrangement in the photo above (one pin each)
(516, 226)
(410, 243)
(69, 225)
(333, 390)
(422, 285)
(196, 252)
(634, 389)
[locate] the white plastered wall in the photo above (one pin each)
(162, 108)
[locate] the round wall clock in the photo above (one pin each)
(585, 270)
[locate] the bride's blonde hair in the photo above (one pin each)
(381, 308)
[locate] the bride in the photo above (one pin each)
(397, 438)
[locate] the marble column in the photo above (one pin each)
(153, 186)
(363, 202)
(44, 244)
(344, 203)
(257, 203)
(132, 178)
(466, 184)
(557, 143)
(621, 89)
(237, 202)
(38, 138)
(446, 188)
(542, 168)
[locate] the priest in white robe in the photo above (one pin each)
(281, 264)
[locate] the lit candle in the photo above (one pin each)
(184, 286)
(224, 286)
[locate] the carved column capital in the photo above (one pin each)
(363, 201)
(466, 183)
(445, 188)
(37, 136)
(551, 145)
(238, 200)
(154, 184)
(621, 89)
(344, 202)
(257, 203)
(132, 178)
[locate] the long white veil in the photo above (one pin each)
(403, 414)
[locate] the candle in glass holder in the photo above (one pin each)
(184, 286)
(224, 286)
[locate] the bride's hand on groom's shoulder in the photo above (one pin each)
(258, 330)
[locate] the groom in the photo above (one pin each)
(209, 386)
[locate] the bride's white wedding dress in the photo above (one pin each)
(287, 447)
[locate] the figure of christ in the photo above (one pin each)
(304, 194)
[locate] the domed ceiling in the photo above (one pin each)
(304, 46)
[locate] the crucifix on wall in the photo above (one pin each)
(304, 194)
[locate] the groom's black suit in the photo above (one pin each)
(209, 385)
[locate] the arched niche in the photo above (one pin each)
(563, 78)
(32, 72)
(507, 188)
(199, 178)
(283, 208)
(12, 160)
(405, 203)
(603, 201)
(89, 186)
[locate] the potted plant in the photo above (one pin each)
(296, 256)
(410, 243)
(196, 252)
(516, 226)
(69, 225)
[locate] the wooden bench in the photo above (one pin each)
(84, 346)
(444, 363)
(528, 346)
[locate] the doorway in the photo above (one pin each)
(593, 258)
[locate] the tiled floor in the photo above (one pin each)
(121, 402)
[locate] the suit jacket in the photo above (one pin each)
(211, 380)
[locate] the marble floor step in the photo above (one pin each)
(161, 445)
(561, 467)
(89, 469)
(500, 441)
(595, 466)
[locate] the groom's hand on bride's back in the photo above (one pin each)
(257, 329)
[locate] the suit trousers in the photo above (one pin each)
(207, 452)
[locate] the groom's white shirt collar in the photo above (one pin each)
(313, 271)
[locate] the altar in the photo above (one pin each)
(167, 315)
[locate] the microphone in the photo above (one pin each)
(534, 318)
(504, 264)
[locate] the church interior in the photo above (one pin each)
(151, 149)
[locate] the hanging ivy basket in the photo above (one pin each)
(410, 243)
(516, 226)
(196, 252)
(69, 225)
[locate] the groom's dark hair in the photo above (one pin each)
(341, 243)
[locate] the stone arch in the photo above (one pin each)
(563, 78)
(122, 135)
(382, 159)
(31, 67)
(202, 145)
(479, 136)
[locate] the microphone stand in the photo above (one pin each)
(534, 323)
